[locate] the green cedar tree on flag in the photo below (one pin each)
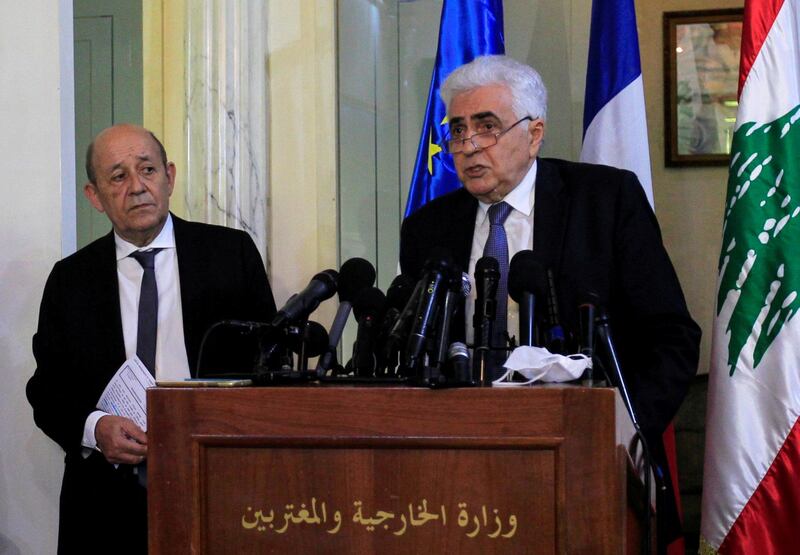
(751, 484)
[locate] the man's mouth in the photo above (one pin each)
(142, 206)
(475, 171)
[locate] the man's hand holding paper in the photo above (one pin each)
(120, 440)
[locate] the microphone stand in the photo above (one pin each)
(483, 325)
(604, 331)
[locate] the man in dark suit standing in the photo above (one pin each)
(151, 287)
(591, 225)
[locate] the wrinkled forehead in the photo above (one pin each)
(480, 103)
(124, 147)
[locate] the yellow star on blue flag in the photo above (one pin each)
(467, 30)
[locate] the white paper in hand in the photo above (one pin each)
(125, 394)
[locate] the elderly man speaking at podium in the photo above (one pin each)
(151, 288)
(589, 225)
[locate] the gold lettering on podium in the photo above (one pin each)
(474, 522)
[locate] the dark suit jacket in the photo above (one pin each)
(594, 228)
(79, 345)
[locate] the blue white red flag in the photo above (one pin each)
(614, 120)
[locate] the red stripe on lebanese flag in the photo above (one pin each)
(677, 547)
(776, 501)
(761, 16)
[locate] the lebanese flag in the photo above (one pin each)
(751, 484)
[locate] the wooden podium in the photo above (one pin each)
(323, 469)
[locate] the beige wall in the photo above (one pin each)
(302, 117)
(302, 154)
(164, 110)
(37, 226)
(689, 201)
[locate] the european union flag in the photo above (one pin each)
(468, 29)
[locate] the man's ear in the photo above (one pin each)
(171, 176)
(536, 133)
(90, 192)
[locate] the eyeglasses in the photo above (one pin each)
(481, 140)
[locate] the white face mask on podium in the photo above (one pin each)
(537, 364)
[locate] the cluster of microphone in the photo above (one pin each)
(405, 334)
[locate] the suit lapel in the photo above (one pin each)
(462, 227)
(106, 296)
(549, 220)
(190, 264)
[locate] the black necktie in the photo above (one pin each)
(147, 327)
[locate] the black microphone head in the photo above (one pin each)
(369, 302)
(354, 275)
(526, 275)
(487, 263)
(321, 287)
(315, 337)
(329, 280)
(399, 292)
(441, 261)
(457, 350)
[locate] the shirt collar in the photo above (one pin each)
(164, 240)
(521, 197)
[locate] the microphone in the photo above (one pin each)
(399, 292)
(487, 277)
(368, 307)
(321, 287)
(355, 275)
(459, 288)
(315, 339)
(434, 283)
(308, 342)
(398, 335)
(526, 282)
(397, 297)
(459, 364)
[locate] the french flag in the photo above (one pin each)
(614, 120)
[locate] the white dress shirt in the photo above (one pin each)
(172, 362)
(519, 232)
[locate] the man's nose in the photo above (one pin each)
(138, 184)
(469, 147)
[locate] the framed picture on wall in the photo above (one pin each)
(701, 78)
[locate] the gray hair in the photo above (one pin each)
(528, 93)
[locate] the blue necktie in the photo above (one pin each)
(147, 328)
(497, 247)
